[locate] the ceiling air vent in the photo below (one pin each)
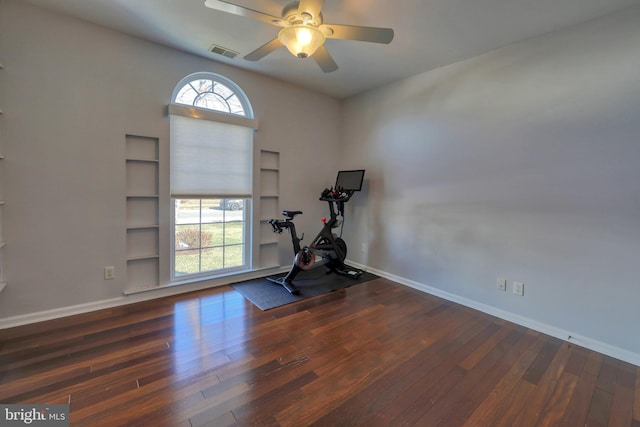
(219, 50)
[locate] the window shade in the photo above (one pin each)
(210, 159)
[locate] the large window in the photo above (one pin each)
(211, 176)
(210, 235)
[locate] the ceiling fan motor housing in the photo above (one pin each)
(293, 15)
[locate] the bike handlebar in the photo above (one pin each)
(335, 196)
(277, 228)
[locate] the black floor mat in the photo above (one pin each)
(266, 295)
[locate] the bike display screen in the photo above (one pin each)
(350, 180)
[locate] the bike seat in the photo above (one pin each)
(291, 214)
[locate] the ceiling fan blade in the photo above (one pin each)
(324, 60)
(363, 34)
(263, 50)
(311, 6)
(225, 6)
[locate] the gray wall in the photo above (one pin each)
(521, 163)
(72, 90)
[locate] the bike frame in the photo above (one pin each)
(324, 244)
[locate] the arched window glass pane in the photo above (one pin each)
(203, 85)
(212, 95)
(211, 101)
(235, 105)
(223, 91)
(186, 95)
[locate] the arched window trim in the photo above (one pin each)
(216, 78)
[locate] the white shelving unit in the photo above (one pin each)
(269, 201)
(3, 283)
(143, 258)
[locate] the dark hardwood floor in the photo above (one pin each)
(376, 354)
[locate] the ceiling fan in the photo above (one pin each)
(303, 31)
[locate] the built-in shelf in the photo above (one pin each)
(142, 274)
(269, 200)
(143, 257)
(143, 226)
(142, 199)
(3, 284)
(265, 242)
(142, 160)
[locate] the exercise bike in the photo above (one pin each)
(326, 248)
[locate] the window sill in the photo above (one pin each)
(212, 281)
(226, 278)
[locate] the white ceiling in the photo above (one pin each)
(428, 33)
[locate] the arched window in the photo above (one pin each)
(211, 176)
(212, 92)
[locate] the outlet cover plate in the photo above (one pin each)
(518, 288)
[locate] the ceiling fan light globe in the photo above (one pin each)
(301, 40)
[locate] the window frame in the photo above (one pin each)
(247, 242)
(246, 120)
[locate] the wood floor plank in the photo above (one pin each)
(169, 394)
(442, 374)
(556, 406)
(375, 354)
(514, 405)
(540, 365)
(376, 396)
(478, 382)
(622, 400)
(578, 408)
(500, 395)
(608, 374)
(600, 407)
(483, 349)
(536, 403)
(260, 411)
(337, 382)
(576, 361)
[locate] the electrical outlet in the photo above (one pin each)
(109, 273)
(518, 288)
(502, 283)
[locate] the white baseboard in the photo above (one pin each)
(590, 343)
(130, 298)
(56, 313)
